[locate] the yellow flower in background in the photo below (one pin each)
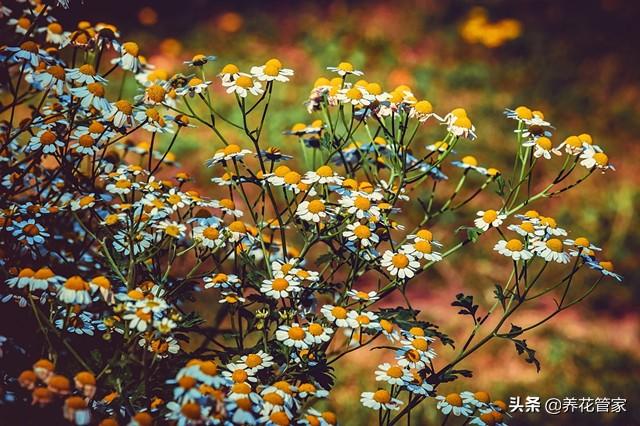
(476, 29)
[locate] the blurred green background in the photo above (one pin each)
(577, 61)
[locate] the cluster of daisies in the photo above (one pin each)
(107, 247)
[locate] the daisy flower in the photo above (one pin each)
(129, 57)
(242, 85)
(422, 110)
(478, 399)
(400, 264)
(422, 249)
(359, 205)
(392, 374)
(605, 267)
(364, 319)
(228, 153)
(272, 70)
(93, 95)
(489, 218)
(345, 68)
(239, 373)
(139, 320)
(46, 140)
(460, 125)
(582, 244)
(200, 60)
(469, 162)
(292, 336)
(339, 316)
(525, 229)
(312, 211)
(53, 77)
(208, 236)
(229, 73)
(356, 96)
(193, 87)
(122, 186)
(172, 228)
(592, 157)
(323, 175)
(542, 147)
(514, 249)
(380, 399)
(573, 145)
(317, 334)
(547, 226)
(30, 231)
(361, 296)
(121, 113)
(75, 290)
(418, 384)
(551, 250)
(84, 75)
(85, 144)
(452, 404)
(257, 361)
(280, 287)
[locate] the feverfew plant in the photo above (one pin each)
(106, 243)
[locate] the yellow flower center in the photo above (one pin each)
(124, 106)
(527, 227)
(423, 246)
(271, 70)
(96, 89)
(554, 244)
(423, 107)
(463, 122)
(191, 410)
(244, 82)
(324, 171)
(573, 141)
(86, 141)
(489, 216)
(316, 206)
(362, 203)
(56, 71)
(362, 232)
(210, 233)
(582, 242)
(420, 344)
(514, 245)
(315, 329)
(96, 127)
(454, 399)
(296, 333)
(230, 69)
(239, 376)
(400, 260)
(470, 160)
(524, 113)
(339, 312)
(76, 283)
(363, 319)
(601, 158)
(354, 94)
(544, 143)
(382, 396)
(292, 178)
(395, 372)
(606, 265)
(273, 62)
(253, 360)
(279, 284)
(155, 93)
(238, 226)
(131, 48)
(47, 138)
(482, 396)
(195, 82)
(345, 66)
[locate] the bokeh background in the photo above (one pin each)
(575, 60)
